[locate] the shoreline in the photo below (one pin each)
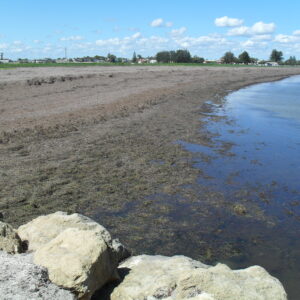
(112, 166)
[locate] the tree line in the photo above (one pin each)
(182, 56)
(179, 56)
(244, 58)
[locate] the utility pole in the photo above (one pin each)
(66, 53)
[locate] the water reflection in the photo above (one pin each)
(253, 160)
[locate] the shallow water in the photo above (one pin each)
(253, 161)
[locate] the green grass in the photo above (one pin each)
(37, 65)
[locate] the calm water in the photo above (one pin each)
(254, 160)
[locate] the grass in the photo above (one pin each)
(37, 65)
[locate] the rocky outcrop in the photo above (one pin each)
(43, 229)
(79, 260)
(9, 239)
(78, 253)
(179, 277)
(20, 279)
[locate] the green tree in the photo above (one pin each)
(172, 55)
(245, 58)
(183, 56)
(163, 57)
(134, 59)
(291, 61)
(229, 58)
(276, 56)
(198, 60)
(111, 58)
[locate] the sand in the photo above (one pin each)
(35, 96)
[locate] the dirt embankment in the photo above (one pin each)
(101, 141)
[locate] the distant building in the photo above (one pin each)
(142, 60)
(153, 61)
(2, 59)
(271, 64)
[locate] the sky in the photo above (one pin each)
(39, 29)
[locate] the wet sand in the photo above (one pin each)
(102, 141)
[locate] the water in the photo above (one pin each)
(253, 161)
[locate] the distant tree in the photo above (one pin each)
(229, 58)
(98, 57)
(276, 56)
(183, 56)
(139, 56)
(244, 58)
(291, 61)
(111, 58)
(198, 60)
(163, 56)
(254, 60)
(134, 59)
(172, 55)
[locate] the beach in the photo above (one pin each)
(103, 141)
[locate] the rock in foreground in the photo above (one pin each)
(43, 229)
(78, 253)
(179, 277)
(9, 239)
(78, 260)
(20, 279)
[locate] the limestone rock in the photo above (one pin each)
(20, 279)
(9, 239)
(79, 260)
(43, 229)
(179, 277)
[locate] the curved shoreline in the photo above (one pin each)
(106, 160)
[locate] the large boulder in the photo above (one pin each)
(78, 253)
(20, 279)
(79, 260)
(9, 239)
(179, 277)
(43, 229)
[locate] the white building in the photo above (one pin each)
(271, 64)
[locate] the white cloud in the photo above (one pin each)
(285, 39)
(239, 31)
(258, 28)
(262, 37)
(206, 40)
(263, 28)
(157, 23)
(128, 40)
(178, 32)
(248, 43)
(17, 43)
(136, 35)
(160, 23)
(3, 46)
(72, 38)
(228, 22)
(296, 32)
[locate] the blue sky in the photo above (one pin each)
(37, 29)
